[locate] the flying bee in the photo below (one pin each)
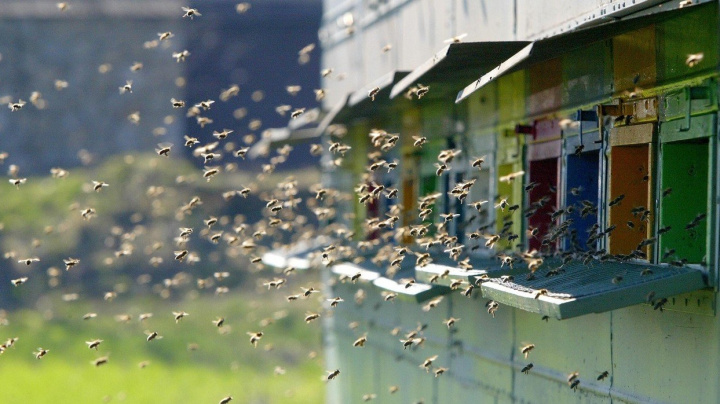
(492, 307)
(660, 304)
(603, 375)
(526, 349)
(617, 200)
(575, 383)
(40, 353)
(19, 281)
(17, 181)
(179, 315)
(419, 91)
(297, 112)
(219, 322)
(428, 363)
(255, 337)
(440, 371)
(94, 344)
(368, 397)
(311, 316)
(389, 296)
(127, 88)
(16, 106)
(180, 255)
(450, 322)
(693, 59)
(360, 342)
(225, 400)
(181, 56)
(165, 35)
(527, 368)
(163, 149)
(419, 141)
(152, 336)
(572, 377)
(103, 360)
(190, 12)
(373, 93)
(335, 301)
(210, 172)
(478, 162)
(333, 374)
(241, 152)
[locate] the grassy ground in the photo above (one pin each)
(224, 363)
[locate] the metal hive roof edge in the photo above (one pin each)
(599, 287)
(459, 62)
(558, 45)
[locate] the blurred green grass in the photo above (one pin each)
(223, 364)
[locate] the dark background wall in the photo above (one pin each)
(257, 50)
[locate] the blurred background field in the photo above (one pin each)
(77, 127)
(194, 361)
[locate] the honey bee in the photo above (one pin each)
(127, 88)
(574, 385)
(512, 176)
(450, 322)
(40, 353)
(17, 182)
(181, 255)
(360, 342)
(660, 304)
(527, 368)
(297, 112)
(311, 316)
(694, 59)
(152, 336)
(432, 304)
(393, 389)
(685, 3)
(181, 56)
(369, 397)
(572, 377)
(603, 375)
(419, 141)
(242, 8)
(492, 307)
(94, 344)
(333, 374)
(225, 400)
(19, 281)
(335, 301)
(179, 315)
(373, 93)
(526, 349)
(440, 371)
(389, 296)
(190, 12)
(219, 322)
(617, 200)
(16, 106)
(103, 360)
(255, 337)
